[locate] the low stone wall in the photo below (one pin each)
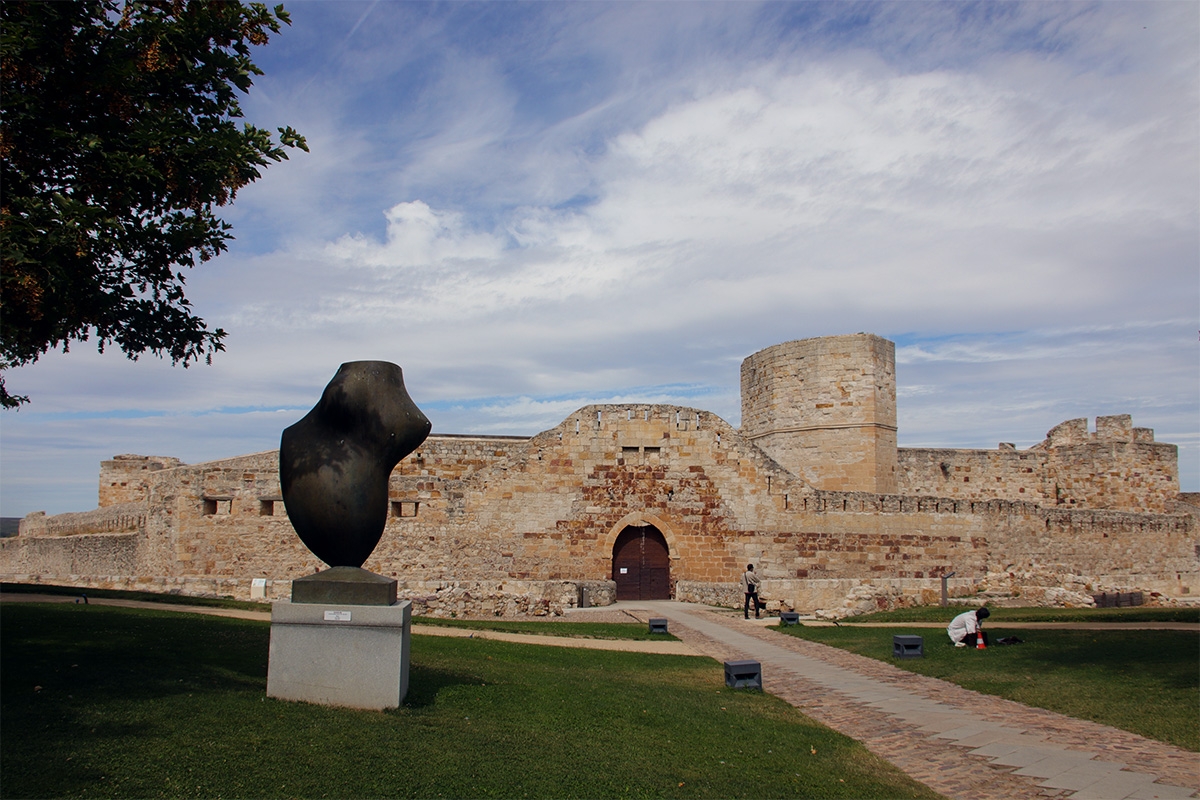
(503, 599)
(82, 555)
(120, 518)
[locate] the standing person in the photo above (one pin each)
(750, 584)
(967, 627)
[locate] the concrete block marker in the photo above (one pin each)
(344, 655)
(743, 674)
(908, 646)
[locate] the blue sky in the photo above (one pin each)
(535, 206)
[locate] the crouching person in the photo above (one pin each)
(967, 627)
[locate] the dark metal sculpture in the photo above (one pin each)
(334, 464)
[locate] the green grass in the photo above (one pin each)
(99, 701)
(1146, 682)
(1035, 614)
(122, 594)
(578, 630)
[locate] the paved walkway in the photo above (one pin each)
(960, 743)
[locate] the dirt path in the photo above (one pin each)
(665, 647)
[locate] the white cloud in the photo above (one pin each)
(609, 197)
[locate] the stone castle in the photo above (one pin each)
(655, 501)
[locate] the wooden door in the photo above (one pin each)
(642, 564)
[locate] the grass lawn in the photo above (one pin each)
(99, 701)
(122, 594)
(1036, 614)
(1147, 682)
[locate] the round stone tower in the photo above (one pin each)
(825, 409)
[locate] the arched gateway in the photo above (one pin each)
(641, 564)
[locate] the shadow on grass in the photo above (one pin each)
(425, 683)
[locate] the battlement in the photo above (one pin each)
(1115, 428)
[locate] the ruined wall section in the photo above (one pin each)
(1117, 467)
(825, 408)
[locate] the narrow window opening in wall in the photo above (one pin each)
(629, 414)
(697, 421)
(653, 450)
(217, 506)
(647, 416)
(266, 508)
(404, 508)
(577, 426)
(629, 450)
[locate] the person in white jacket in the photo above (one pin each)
(750, 584)
(967, 627)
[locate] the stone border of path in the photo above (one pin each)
(960, 743)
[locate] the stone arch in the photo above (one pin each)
(639, 518)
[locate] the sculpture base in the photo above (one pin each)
(345, 585)
(340, 654)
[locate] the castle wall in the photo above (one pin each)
(826, 409)
(812, 490)
(525, 532)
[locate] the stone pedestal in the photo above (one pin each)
(340, 654)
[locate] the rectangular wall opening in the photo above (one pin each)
(404, 508)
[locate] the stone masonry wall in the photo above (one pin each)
(812, 490)
(826, 409)
(124, 478)
(1118, 467)
(525, 532)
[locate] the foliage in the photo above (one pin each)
(117, 141)
(1073, 672)
(132, 703)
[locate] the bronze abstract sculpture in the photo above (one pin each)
(334, 464)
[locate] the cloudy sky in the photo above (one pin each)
(534, 206)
